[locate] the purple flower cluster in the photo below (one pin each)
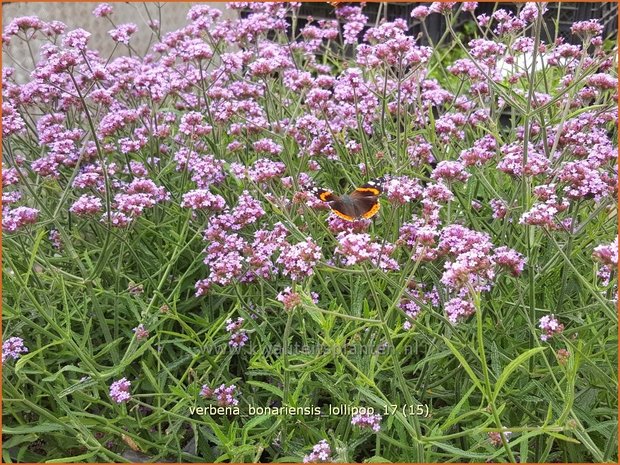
(402, 190)
(12, 122)
(224, 395)
(289, 298)
(262, 170)
(193, 126)
(203, 199)
(550, 327)
(86, 205)
(229, 256)
(205, 169)
(470, 263)
(367, 420)
(355, 248)
(13, 348)
(321, 452)
(55, 239)
(103, 10)
(123, 33)
(17, 218)
(119, 391)
(298, 261)
(545, 213)
(495, 438)
(607, 256)
(337, 224)
(238, 336)
(512, 161)
(450, 171)
(411, 309)
(459, 309)
(141, 332)
(483, 151)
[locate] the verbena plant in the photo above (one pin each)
(164, 251)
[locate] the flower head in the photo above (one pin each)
(225, 395)
(119, 390)
(13, 348)
(367, 420)
(496, 438)
(357, 248)
(289, 298)
(15, 219)
(298, 261)
(123, 33)
(103, 10)
(550, 326)
(141, 332)
(238, 336)
(459, 309)
(321, 452)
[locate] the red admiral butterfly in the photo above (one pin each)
(363, 202)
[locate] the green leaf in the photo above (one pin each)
(26, 429)
(268, 387)
(512, 366)
(464, 364)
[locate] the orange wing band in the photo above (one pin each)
(343, 216)
(373, 211)
(324, 196)
(372, 190)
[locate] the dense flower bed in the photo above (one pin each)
(164, 247)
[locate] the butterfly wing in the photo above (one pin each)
(365, 198)
(374, 187)
(323, 195)
(362, 203)
(343, 207)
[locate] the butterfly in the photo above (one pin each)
(363, 202)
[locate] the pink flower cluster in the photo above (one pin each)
(12, 122)
(262, 170)
(238, 336)
(470, 264)
(123, 33)
(224, 395)
(86, 205)
(545, 213)
(17, 218)
(459, 309)
(237, 110)
(13, 348)
(411, 309)
(321, 452)
(119, 391)
(228, 255)
(550, 327)
(289, 298)
(607, 256)
(495, 438)
(354, 248)
(512, 161)
(367, 420)
(141, 332)
(298, 261)
(337, 224)
(203, 199)
(402, 189)
(450, 171)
